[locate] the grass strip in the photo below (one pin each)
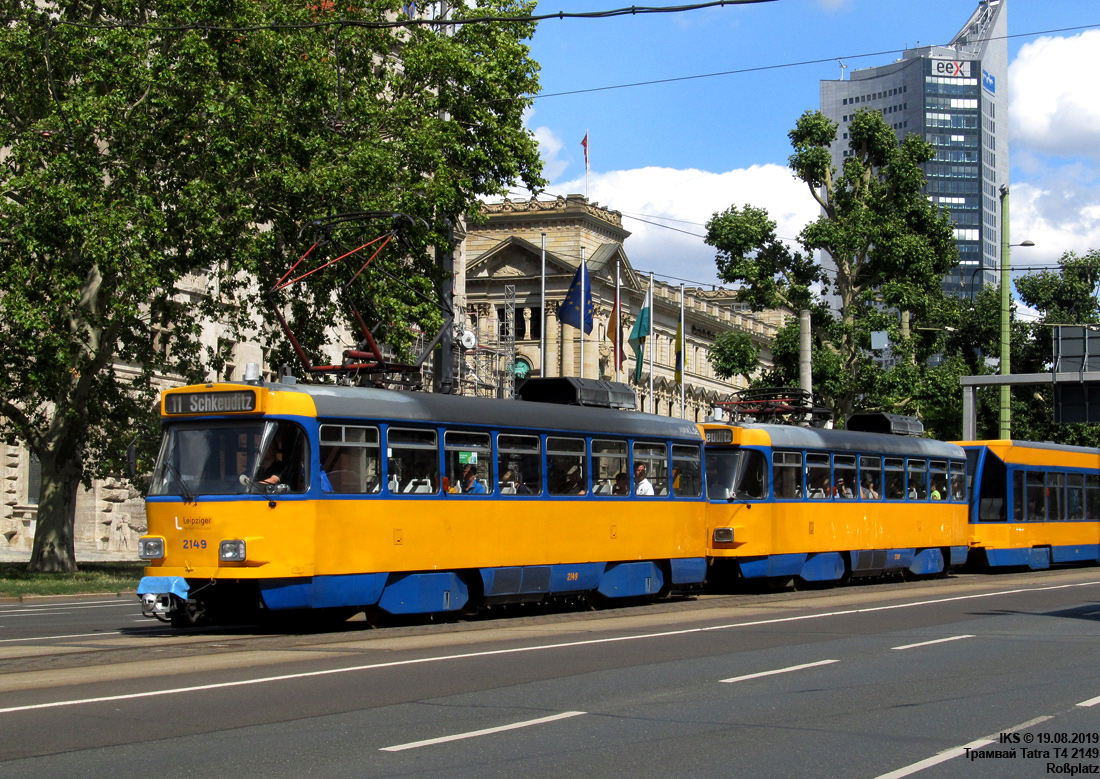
(16, 580)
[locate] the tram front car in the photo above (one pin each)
(227, 500)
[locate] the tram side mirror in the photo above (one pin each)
(131, 459)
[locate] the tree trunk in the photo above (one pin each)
(54, 548)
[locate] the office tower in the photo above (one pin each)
(955, 96)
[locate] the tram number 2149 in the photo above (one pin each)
(194, 543)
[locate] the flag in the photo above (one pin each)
(640, 333)
(680, 353)
(584, 143)
(569, 312)
(615, 333)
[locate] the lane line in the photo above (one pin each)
(54, 612)
(777, 671)
(485, 732)
(72, 635)
(520, 650)
(87, 604)
(951, 754)
(1090, 702)
(936, 641)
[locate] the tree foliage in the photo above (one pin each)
(159, 169)
(734, 354)
(887, 248)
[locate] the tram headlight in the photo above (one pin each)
(231, 551)
(723, 535)
(151, 548)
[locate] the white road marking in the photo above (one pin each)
(72, 635)
(929, 643)
(487, 731)
(951, 754)
(1090, 702)
(519, 650)
(69, 605)
(49, 612)
(778, 671)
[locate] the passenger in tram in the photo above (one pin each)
(937, 488)
(470, 483)
(642, 485)
(867, 491)
(842, 490)
(622, 484)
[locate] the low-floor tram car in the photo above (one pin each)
(826, 505)
(280, 497)
(1033, 504)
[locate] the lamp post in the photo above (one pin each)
(1006, 308)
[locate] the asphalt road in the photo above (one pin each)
(865, 681)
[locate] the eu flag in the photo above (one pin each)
(569, 312)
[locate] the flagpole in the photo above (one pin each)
(616, 345)
(542, 327)
(681, 348)
(586, 149)
(652, 348)
(584, 312)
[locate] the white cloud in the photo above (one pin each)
(1062, 216)
(1055, 95)
(691, 197)
(550, 146)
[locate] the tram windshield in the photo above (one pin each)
(230, 458)
(736, 473)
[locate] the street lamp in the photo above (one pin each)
(1006, 304)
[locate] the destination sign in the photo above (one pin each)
(210, 403)
(720, 436)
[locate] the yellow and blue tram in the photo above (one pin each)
(285, 496)
(825, 505)
(1033, 504)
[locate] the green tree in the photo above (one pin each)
(1067, 295)
(158, 168)
(890, 249)
(734, 354)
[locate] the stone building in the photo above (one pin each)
(504, 261)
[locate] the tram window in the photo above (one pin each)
(937, 470)
(1018, 496)
(1056, 497)
(788, 474)
(413, 461)
(351, 460)
(687, 474)
(740, 474)
(1075, 496)
(650, 469)
(817, 476)
(918, 480)
(844, 476)
(1092, 497)
(610, 468)
(1036, 497)
(895, 478)
(468, 459)
(958, 481)
(281, 465)
(519, 464)
(209, 458)
(565, 465)
(870, 478)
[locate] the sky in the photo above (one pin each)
(676, 153)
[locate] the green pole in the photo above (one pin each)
(1006, 308)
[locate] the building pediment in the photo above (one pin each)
(515, 257)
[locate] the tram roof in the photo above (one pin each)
(853, 441)
(1049, 445)
(371, 403)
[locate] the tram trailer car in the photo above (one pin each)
(1033, 504)
(281, 497)
(826, 505)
